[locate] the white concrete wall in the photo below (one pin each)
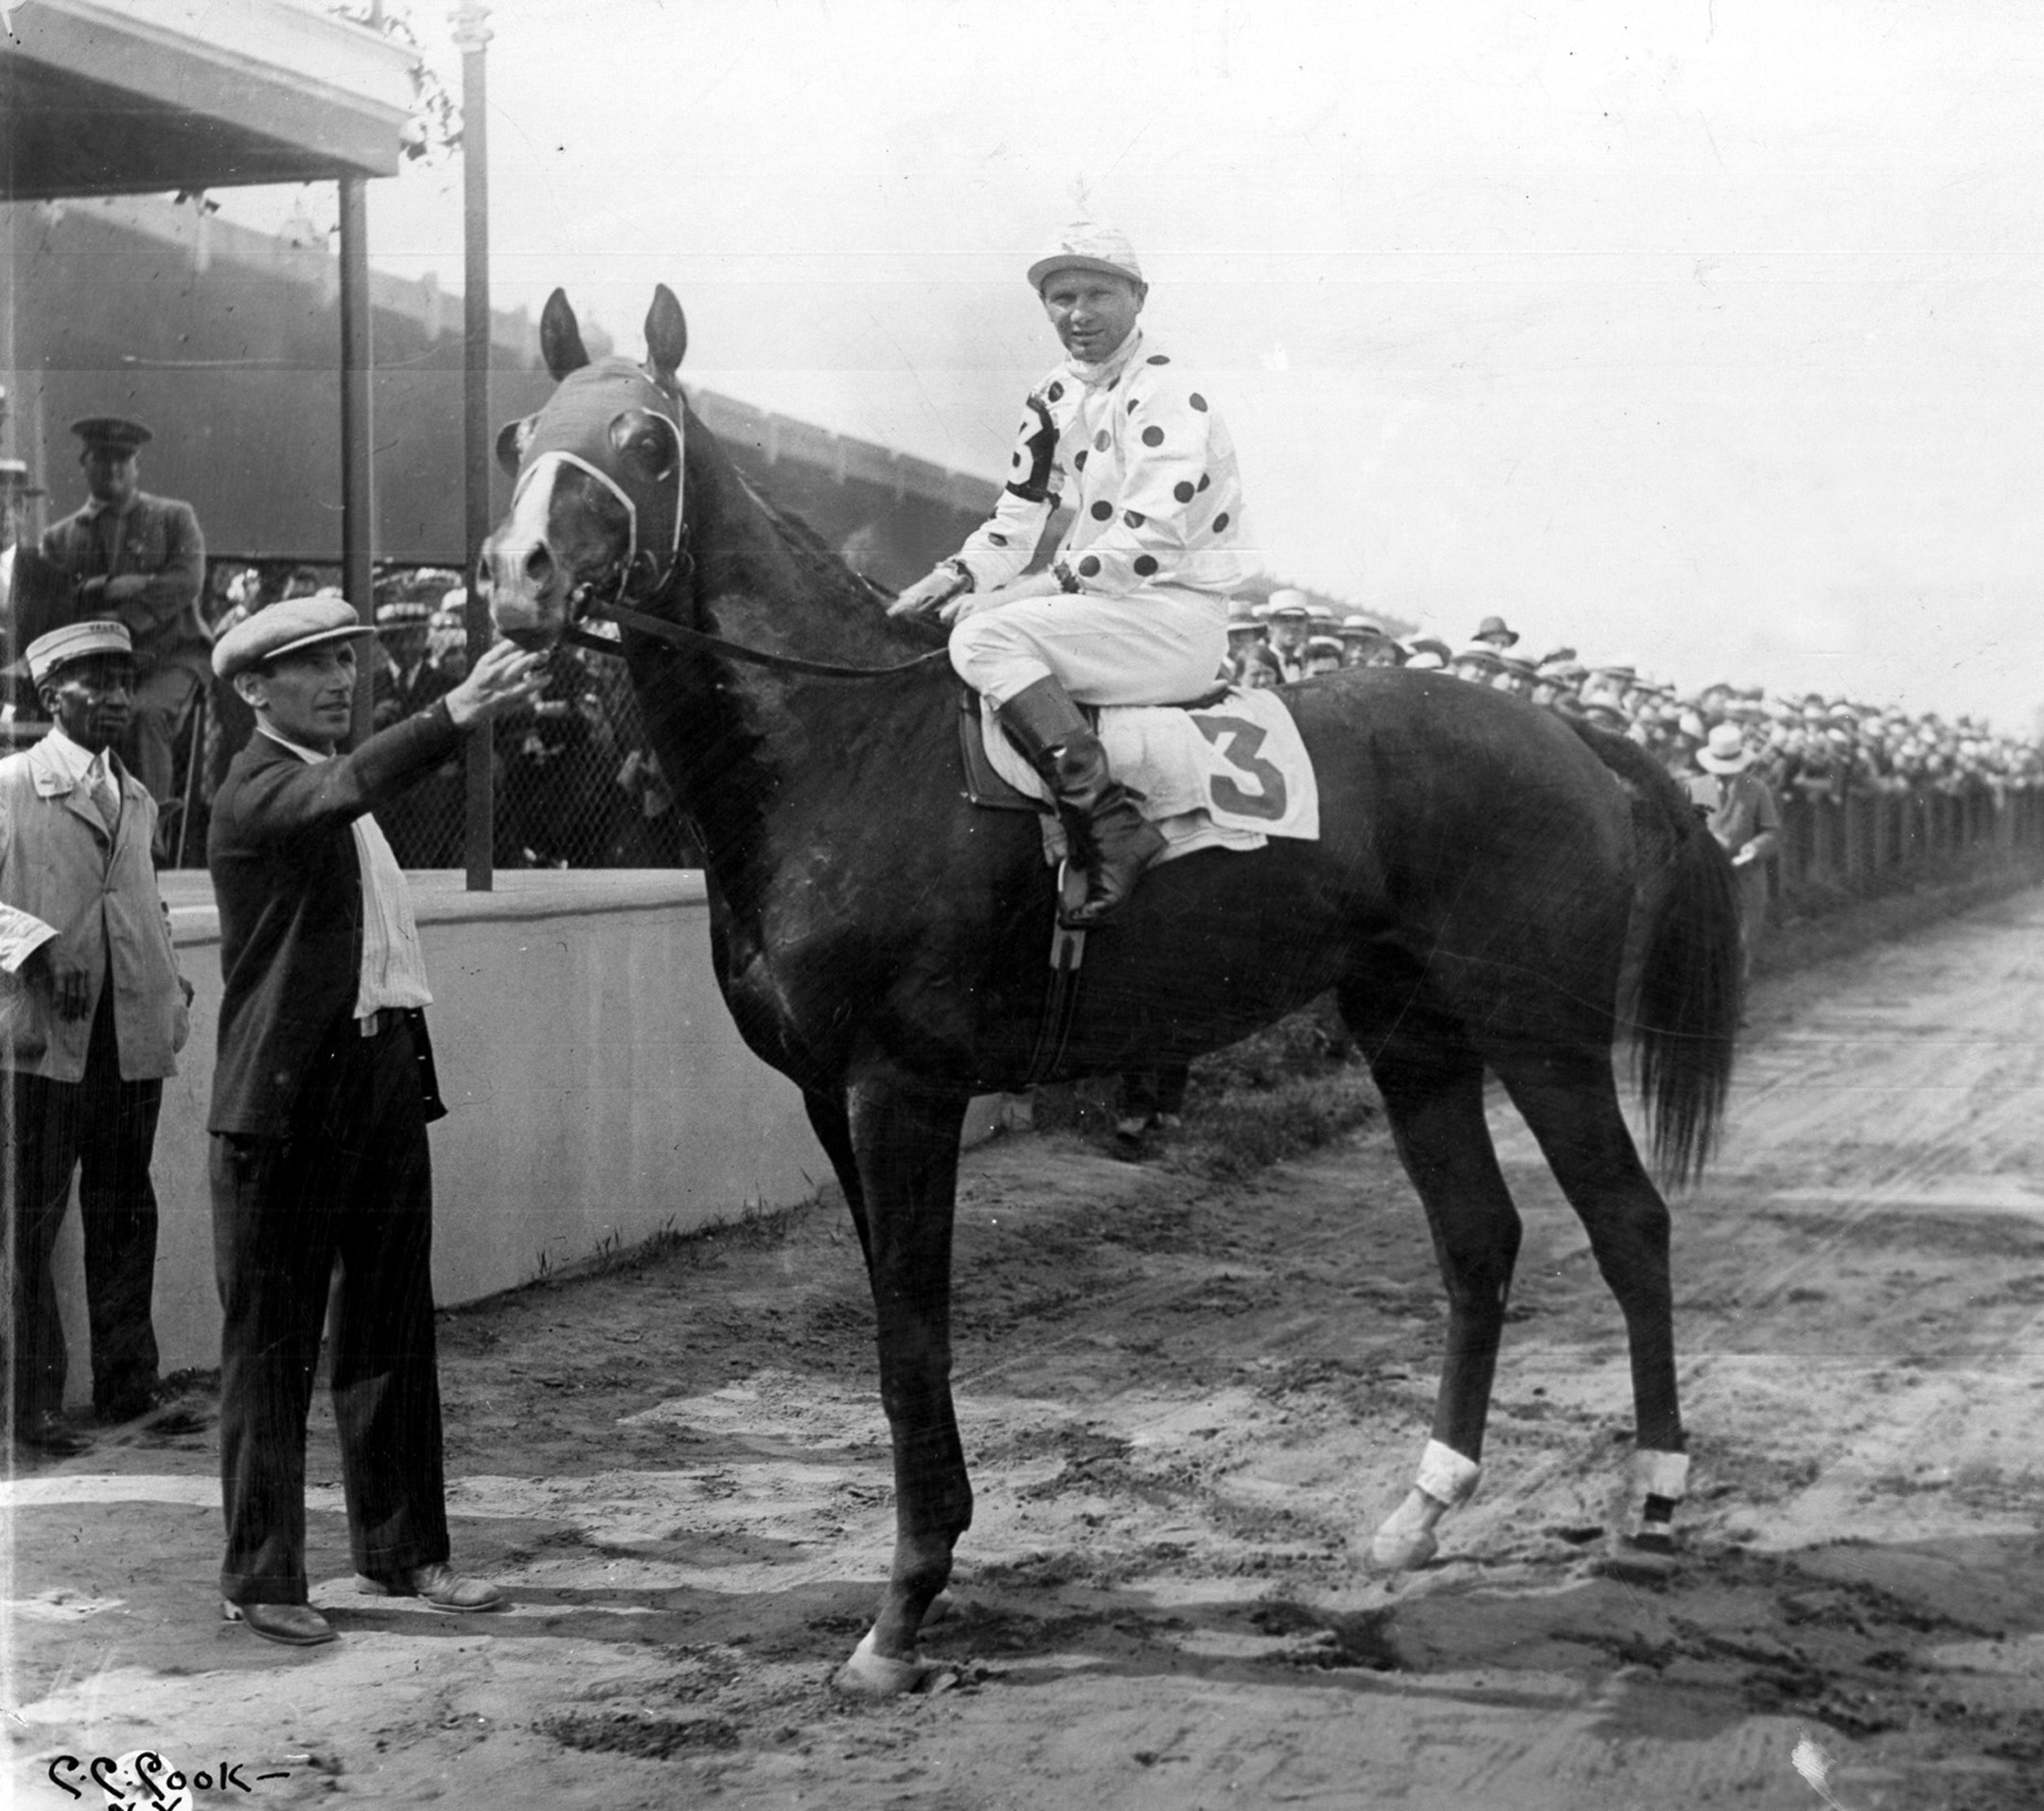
(597, 1091)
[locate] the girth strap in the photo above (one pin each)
(1061, 999)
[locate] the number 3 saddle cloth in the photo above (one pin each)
(1227, 773)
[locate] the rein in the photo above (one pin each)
(678, 635)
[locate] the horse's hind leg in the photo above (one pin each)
(1570, 1101)
(905, 1141)
(1431, 1085)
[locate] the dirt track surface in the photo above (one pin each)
(1186, 1403)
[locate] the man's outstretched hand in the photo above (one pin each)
(504, 678)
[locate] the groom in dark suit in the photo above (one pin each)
(322, 1094)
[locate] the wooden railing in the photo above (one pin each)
(1865, 843)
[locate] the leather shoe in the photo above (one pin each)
(437, 1586)
(48, 1432)
(293, 1625)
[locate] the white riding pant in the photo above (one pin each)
(1153, 646)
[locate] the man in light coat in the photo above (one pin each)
(1742, 815)
(95, 1014)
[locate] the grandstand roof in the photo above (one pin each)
(123, 96)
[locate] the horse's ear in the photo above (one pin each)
(560, 337)
(666, 334)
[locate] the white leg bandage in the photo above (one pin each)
(1662, 1474)
(1446, 1475)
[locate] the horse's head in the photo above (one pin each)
(596, 514)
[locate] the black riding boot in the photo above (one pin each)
(1108, 835)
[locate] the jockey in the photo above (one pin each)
(1134, 608)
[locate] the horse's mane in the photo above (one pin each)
(820, 564)
(816, 555)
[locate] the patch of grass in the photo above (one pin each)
(1240, 1130)
(1281, 1092)
(1821, 922)
(755, 1228)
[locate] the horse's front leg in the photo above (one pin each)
(904, 1139)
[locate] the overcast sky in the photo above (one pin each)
(1702, 336)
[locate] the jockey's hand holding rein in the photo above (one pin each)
(945, 594)
(940, 588)
(1036, 584)
(935, 588)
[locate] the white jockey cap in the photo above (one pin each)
(1087, 245)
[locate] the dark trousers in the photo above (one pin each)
(150, 746)
(105, 1129)
(352, 1190)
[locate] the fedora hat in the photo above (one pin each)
(1726, 751)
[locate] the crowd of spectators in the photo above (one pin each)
(577, 785)
(1809, 745)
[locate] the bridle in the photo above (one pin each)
(584, 604)
(640, 575)
(677, 635)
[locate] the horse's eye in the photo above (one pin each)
(512, 441)
(645, 443)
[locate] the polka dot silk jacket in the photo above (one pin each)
(1151, 472)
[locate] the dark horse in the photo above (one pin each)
(886, 944)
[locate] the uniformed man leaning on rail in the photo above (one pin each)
(1135, 608)
(141, 561)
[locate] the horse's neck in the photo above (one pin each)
(764, 583)
(738, 739)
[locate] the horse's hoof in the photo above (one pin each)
(1406, 1540)
(1395, 1549)
(870, 1673)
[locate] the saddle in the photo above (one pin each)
(1228, 770)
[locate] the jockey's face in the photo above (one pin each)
(1092, 311)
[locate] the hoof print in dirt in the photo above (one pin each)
(1633, 1564)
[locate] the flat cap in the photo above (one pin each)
(116, 433)
(75, 641)
(290, 626)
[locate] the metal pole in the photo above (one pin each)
(472, 33)
(358, 498)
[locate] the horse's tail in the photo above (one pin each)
(1685, 999)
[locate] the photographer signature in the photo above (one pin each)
(145, 1780)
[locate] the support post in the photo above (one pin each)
(472, 33)
(357, 496)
